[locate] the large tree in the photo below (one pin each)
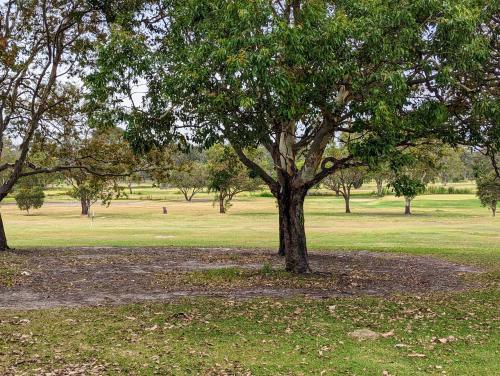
(41, 42)
(290, 75)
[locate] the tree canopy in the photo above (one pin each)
(292, 75)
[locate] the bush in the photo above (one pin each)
(385, 192)
(265, 194)
(448, 191)
(321, 194)
(488, 191)
(31, 197)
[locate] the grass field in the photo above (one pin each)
(453, 226)
(432, 334)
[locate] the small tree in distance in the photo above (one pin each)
(30, 198)
(89, 189)
(227, 176)
(407, 187)
(344, 180)
(488, 191)
(191, 175)
(380, 173)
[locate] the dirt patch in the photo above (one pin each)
(94, 276)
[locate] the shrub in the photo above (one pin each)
(447, 190)
(265, 194)
(31, 197)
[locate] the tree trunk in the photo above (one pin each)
(493, 208)
(130, 188)
(3, 238)
(347, 198)
(85, 206)
(407, 206)
(281, 217)
(293, 230)
(379, 187)
(222, 207)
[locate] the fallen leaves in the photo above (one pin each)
(368, 334)
(416, 355)
(388, 334)
(443, 340)
(364, 334)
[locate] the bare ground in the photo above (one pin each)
(74, 277)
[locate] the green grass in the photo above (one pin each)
(263, 336)
(452, 226)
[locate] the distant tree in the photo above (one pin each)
(30, 197)
(131, 179)
(190, 181)
(344, 180)
(105, 158)
(407, 187)
(227, 175)
(190, 174)
(450, 165)
(417, 167)
(89, 189)
(380, 173)
(488, 191)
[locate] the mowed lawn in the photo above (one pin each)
(452, 333)
(447, 225)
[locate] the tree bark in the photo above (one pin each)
(281, 225)
(347, 198)
(3, 238)
(379, 187)
(293, 230)
(407, 206)
(222, 208)
(85, 206)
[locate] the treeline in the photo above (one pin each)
(218, 170)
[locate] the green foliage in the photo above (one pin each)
(94, 189)
(488, 191)
(448, 191)
(189, 173)
(405, 186)
(30, 197)
(265, 194)
(291, 75)
(271, 66)
(227, 175)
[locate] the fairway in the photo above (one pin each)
(453, 226)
